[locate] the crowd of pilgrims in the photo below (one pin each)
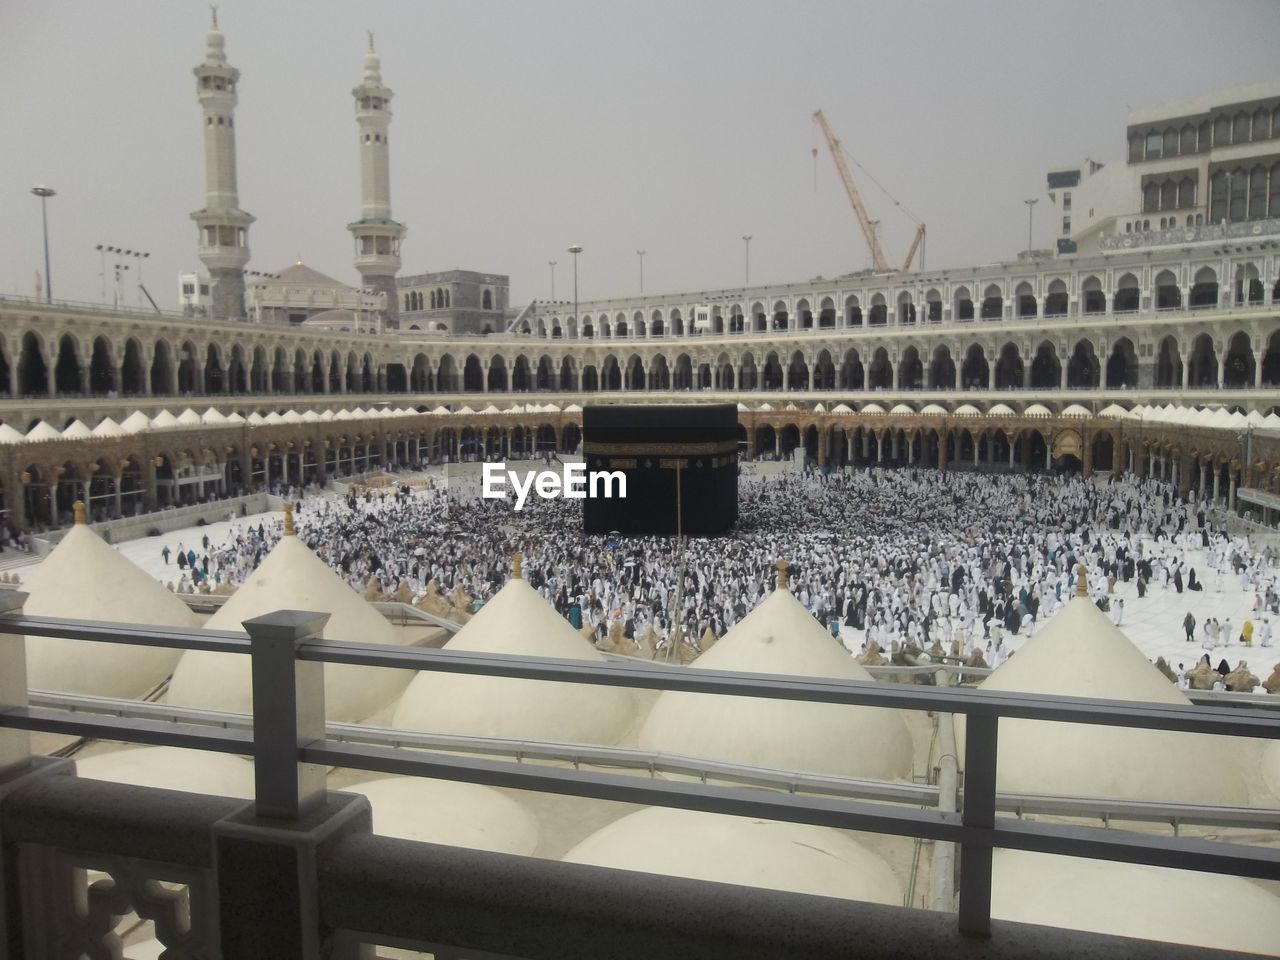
(909, 556)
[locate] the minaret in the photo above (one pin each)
(377, 236)
(223, 226)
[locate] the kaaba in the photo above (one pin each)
(656, 448)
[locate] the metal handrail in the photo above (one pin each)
(291, 747)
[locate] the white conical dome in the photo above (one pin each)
(519, 621)
(136, 422)
(85, 578)
(780, 637)
(448, 812)
(1134, 900)
(173, 768)
(1081, 653)
(757, 853)
(293, 578)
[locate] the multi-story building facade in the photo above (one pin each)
(1211, 161)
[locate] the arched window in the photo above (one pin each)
(433, 299)
(1188, 140)
(1239, 186)
(1150, 198)
(1257, 193)
(1168, 195)
(1240, 128)
(1221, 130)
(486, 302)
(1171, 142)
(1261, 124)
(1218, 197)
(1154, 142)
(1186, 193)
(1274, 202)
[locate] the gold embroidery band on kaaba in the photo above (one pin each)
(707, 448)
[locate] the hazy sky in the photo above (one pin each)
(519, 128)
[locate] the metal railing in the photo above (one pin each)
(291, 747)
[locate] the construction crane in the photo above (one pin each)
(879, 263)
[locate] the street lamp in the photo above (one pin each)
(746, 272)
(44, 193)
(552, 264)
(640, 254)
(1031, 204)
(575, 250)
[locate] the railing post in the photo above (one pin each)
(288, 713)
(979, 814)
(15, 745)
(267, 855)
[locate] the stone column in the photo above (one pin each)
(942, 451)
(822, 446)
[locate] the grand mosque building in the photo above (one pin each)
(1163, 295)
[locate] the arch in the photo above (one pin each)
(827, 314)
(824, 371)
(852, 312)
(215, 377)
(910, 370)
(1092, 299)
(942, 369)
(1168, 293)
(771, 373)
(804, 315)
(1025, 300)
(906, 308)
(1122, 365)
(798, 372)
(496, 380)
(760, 319)
(102, 374)
(1239, 366)
(160, 377)
(933, 306)
(682, 376)
(1202, 363)
(447, 379)
(281, 373)
(780, 316)
(419, 373)
(66, 368)
(852, 374)
(1168, 363)
(259, 374)
(1128, 296)
(1046, 368)
(1056, 300)
(611, 374)
(963, 304)
(133, 378)
(878, 316)
(992, 303)
(1009, 368)
(1083, 368)
(975, 372)
(659, 373)
(1204, 292)
(568, 374)
(1271, 361)
(880, 373)
(637, 376)
(190, 379)
(237, 371)
(521, 380)
(1248, 285)
(544, 376)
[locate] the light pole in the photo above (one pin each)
(575, 250)
(746, 270)
(44, 193)
(102, 270)
(640, 254)
(552, 264)
(1031, 205)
